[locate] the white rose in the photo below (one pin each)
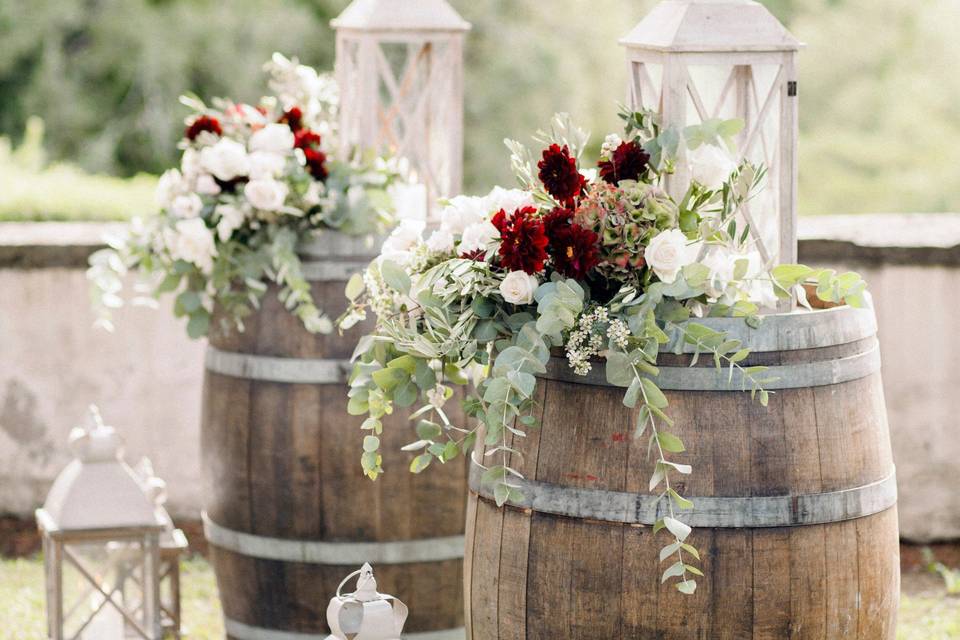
(252, 116)
(669, 252)
(194, 243)
(478, 236)
(206, 185)
(266, 164)
(440, 241)
(266, 194)
(507, 199)
(409, 200)
(314, 192)
(462, 212)
(722, 262)
(226, 160)
(401, 242)
(711, 166)
(169, 187)
(273, 138)
(518, 287)
(186, 206)
(231, 219)
(190, 162)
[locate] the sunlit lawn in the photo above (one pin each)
(22, 600)
(926, 613)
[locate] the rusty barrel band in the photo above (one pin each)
(707, 512)
(244, 631)
(272, 369)
(788, 376)
(333, 553)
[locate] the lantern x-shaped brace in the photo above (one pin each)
(107, 598)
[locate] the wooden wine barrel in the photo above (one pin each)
(795, 504)
(289, 513)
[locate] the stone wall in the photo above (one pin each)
(912, 265)
(147, 376)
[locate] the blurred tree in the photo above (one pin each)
(879, 86)
(105, 74)
(879, 111)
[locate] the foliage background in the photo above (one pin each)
(879, 87)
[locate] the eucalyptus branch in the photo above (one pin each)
(677, 529)
(728, 351)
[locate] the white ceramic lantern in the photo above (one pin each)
(695, 60)
(399, 65)
(101, 545)
(365, 614)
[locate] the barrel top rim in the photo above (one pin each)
(327, 243)
(794, 330)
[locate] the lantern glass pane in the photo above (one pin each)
(751, 93)
(415, 110)
(647, 81)
(98, 578)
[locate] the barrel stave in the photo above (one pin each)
(586, 579)
(282, 462)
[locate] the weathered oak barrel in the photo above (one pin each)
(288, 510)
(795, 504)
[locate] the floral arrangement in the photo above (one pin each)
(600, 263)
(253, 182)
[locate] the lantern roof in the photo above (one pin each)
(710, 25)
(400, 15)
(98, 490)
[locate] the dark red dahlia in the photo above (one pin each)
(574, 251)
(305, 139)
(556, 221)
(523, 240)
(309, 142)
(627, 162)
(559, 173)
(293, 118)
(203, 123)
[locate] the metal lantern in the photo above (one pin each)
(694, 60)
(173, 545)
(101, 545)
(365, 614)
(399, 66)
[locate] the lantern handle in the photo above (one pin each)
(347, 579)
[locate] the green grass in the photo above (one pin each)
(22, 600)
(926, 612)
(30, 190)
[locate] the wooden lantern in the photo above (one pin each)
(695, 60)
(399, 66)
(101, 545)
(173, 546)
